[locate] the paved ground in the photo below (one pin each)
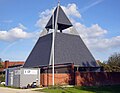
(10, 90)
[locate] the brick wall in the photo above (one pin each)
(81, 78)
(6, 64)
(97, 78)
(59, 79)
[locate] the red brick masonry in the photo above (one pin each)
(81, 78)
(60, 79)
(97, 78)
(6, 64)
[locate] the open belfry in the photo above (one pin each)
(59, 54)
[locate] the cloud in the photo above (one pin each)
(8, 47)
(90, 32)
(95, 37)
(91, 5)
(44, 17)
(7, 21)
(71, 10)
(22, 26)
(106, 43)
(15, 34)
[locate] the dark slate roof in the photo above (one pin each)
(40, 54)
(68, 49)
(71, 49)
(63, 22)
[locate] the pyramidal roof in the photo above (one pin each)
(67, 48)
(62, 20)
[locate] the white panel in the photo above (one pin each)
(11, 78)
(30, 72)
(17, 72)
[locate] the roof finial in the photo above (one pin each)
(58, 2)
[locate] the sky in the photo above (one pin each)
(21, 22)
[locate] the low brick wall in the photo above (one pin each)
(97, 78)
(59, 79)
(81, 78)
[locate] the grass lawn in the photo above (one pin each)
(1, 85)
(93, 89)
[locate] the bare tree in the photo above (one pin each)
(114, 60)
(1, 66)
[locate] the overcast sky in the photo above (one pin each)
(21, 21)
